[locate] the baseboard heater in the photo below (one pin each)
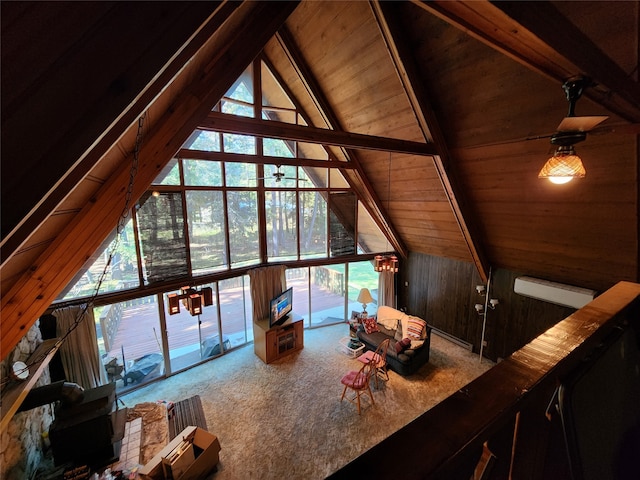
(552, 292)
(453, 339)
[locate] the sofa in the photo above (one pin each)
(410, 338)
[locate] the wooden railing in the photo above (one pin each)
(508, 410)
(109, 323)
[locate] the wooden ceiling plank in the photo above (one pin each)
(538, 36)
(358, 179)
(12, 241)
(407, 70)
(241, 39)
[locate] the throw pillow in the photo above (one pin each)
(416, 328)
(402, 345)
(370, 325)
(398, 335)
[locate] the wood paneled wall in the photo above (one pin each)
(443, 292)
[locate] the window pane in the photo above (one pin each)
(312, 150)
(336, 179)
(298, 279)
(203, 140)
(282, 225)
(283, 177)
(279, 115)
(274, 147)
(242, 89)
(192, 338)
(342, 223)
(162, 241)
(236, 311)
(362, 275)
(235, 108)
(170, 174)
(202, 173)
(242, 210)
(317, 176)
(205, 212)
(272, 93)
(239, 144)
(370, 237)
(328, 295)
(128, 342)
(121, 274)
(313, 225)
(240, 174)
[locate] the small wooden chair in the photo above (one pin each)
(379, 360)
(359, 382)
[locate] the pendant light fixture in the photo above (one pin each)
(386, 263)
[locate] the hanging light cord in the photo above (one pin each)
(122, 221)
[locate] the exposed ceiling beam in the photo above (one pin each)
(407, 70)
(539, 37)
(357, 178)
(230, 50)
(222, 122)
(262, 159)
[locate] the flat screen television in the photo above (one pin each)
(281, 307)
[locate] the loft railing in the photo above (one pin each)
(512, 410)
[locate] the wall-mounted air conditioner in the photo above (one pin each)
(552, 292)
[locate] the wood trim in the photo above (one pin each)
(240, 40)
(408, 74)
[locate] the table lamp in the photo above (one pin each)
(364, 297)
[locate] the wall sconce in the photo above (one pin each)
(479, 308)
(493, 302)
(480, 289)
(192, 299)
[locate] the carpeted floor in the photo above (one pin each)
(285, 420)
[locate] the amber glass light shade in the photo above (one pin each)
(563, 166)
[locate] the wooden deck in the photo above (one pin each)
(139, 330)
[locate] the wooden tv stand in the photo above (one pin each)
(270, 344)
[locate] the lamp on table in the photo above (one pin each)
(364, 297)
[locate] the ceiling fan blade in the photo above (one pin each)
(580, 124)
(628, 128)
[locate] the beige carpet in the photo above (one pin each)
(285, 420)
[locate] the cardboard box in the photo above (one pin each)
(206, 449)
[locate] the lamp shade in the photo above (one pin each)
(563, 166)
(364, 296)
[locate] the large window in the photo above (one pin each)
(229, 202)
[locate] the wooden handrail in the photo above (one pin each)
(446, 442)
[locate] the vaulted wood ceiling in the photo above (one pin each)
(462, 85)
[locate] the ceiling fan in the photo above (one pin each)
(279, 176)
(565, 164)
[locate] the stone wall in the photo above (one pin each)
(22, 442)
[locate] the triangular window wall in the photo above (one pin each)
(201, 215)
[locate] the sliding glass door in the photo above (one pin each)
(130, 342)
